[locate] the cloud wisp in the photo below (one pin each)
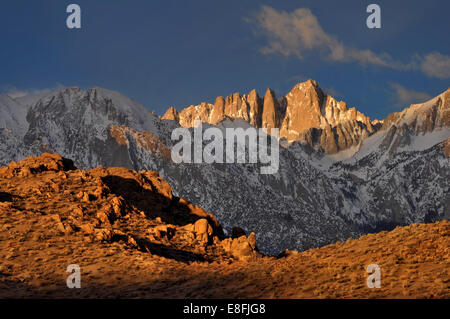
(299, 33)
(402, 97)
(16, 93)
(436, 65)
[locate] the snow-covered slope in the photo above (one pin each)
(31, 98)
(77, 124)
(13, 115)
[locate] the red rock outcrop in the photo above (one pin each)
(270, 117)
(96, 202)
(146, 140)
(171, 114)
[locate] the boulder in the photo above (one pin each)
(203, 230)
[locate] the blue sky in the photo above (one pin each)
(177, 53)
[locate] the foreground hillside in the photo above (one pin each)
(133, 238)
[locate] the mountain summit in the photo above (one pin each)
(304, 115)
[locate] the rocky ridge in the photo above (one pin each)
(304, 115)
(97, 203)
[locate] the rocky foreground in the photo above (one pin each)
(133, 239)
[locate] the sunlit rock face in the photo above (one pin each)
(305, 115)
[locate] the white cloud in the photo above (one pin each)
(436, 65)
(333, 92)
(299, 33)
(402, 97)
(15, 93)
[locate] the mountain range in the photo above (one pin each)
(341, 174)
